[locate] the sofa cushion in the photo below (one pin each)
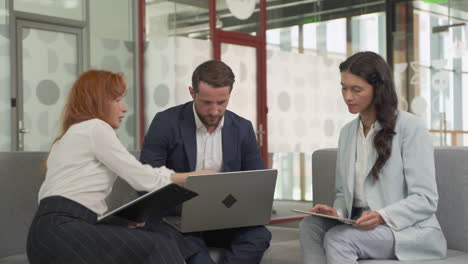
(283, 252)
(452, 184)
(280, 234)
(15, 259)
(20, 179)
(453, 257)
(216, 254)
(323, 176)
(284, 247)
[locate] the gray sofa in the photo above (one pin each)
(20, 179)
(452, 179)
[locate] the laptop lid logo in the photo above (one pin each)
(229, 201)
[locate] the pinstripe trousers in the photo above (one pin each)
(64, 231)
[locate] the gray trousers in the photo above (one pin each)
(329, 241)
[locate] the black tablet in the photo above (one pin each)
(149, 205)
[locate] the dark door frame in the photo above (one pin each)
(258, 42)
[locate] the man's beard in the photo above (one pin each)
(206, 120)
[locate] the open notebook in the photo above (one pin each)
(151, 204)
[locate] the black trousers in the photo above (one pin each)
(64, 231)
(243, 245)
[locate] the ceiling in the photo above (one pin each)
(191, 16)
(459, 5)
(280, 13)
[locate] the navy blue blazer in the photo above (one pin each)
(171, 141)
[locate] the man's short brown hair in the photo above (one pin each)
(213, 72)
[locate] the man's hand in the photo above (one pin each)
(200, 172)
(324, 209)
(369, 220)
(180, 178)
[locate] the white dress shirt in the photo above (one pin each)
(364, 147)
(84, 164)
(209, 145)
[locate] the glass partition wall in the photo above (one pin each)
(112, 44)
(177, 35)
(44, 46)
(429, 56)
(431, 62)
(306, 42)
(5, 78)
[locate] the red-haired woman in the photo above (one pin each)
(83, 164)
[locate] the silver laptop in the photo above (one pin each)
(227, 200)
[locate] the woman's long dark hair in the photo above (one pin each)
(373, 68)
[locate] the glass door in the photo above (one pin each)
(48, 60)
(242, 60)
(237, 31)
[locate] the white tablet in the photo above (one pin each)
(341, 219)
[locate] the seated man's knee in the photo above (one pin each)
(263, 233)
(197, 240)
(259, 235)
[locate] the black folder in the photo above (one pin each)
(148, 206)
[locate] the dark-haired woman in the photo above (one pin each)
(83, 164)
(385, 178)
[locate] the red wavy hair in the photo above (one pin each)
(90, 97)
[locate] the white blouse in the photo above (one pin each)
(84, 164)
(364, 148)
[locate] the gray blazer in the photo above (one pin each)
(406, 188)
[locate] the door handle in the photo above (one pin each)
(260, 133)
(21, 132)
(25, 130)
